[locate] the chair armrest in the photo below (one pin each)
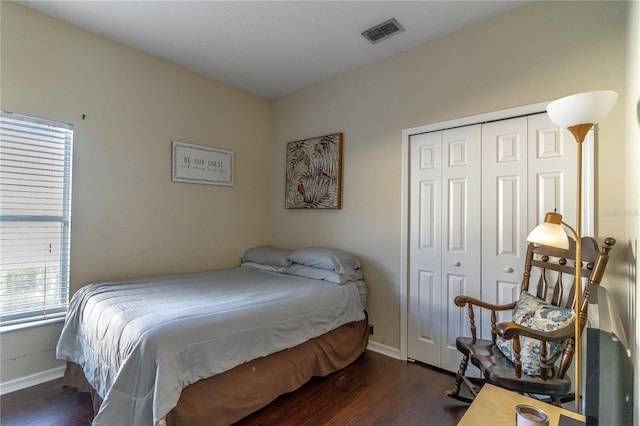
(509, 330)
(462, 300)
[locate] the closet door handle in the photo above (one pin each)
(457, 263)
(508, 270)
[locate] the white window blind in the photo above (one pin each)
(35, 218)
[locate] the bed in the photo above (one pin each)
(213, 347)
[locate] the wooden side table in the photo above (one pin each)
(496, 406)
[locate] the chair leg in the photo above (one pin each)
(455, 391)
(555, 400)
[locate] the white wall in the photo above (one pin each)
(535, 53)
(128, 218)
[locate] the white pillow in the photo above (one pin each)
(321, 274)
(267, 255)
(261, 266)
(342, 262)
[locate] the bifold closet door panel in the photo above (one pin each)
(425, 251)
(504, 212)
(461, 233)
(444, 241)
(552, 164)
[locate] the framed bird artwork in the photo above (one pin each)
(314, 173)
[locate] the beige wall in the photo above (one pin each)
(535, 53)
(633, 179)
(129, 218)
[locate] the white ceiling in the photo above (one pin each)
(269, 48)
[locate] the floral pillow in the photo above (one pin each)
(539, 315)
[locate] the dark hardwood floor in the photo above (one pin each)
(374, 390)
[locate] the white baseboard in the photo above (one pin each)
(31, 380)
(384, 350)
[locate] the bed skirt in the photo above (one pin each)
(230, 396)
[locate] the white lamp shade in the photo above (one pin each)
(583, 108)
(549, 234)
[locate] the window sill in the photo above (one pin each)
(31, 324)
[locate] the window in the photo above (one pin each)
(35, 218)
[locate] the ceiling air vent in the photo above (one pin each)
(382, 31)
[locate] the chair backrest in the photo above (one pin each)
(554, 270)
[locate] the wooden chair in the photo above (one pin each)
(555, 269)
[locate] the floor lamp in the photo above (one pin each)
(578, 114)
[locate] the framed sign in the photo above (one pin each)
(314, 173)
(201, 164)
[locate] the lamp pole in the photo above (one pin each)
(578, 280)
(579, 132)
(578, 114)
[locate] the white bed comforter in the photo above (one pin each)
(140, 342)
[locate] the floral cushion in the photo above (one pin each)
(538, 315)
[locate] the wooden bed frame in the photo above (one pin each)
(230, 396)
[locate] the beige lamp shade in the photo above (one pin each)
(582, 108)
(550, 232)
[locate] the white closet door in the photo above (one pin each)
(425, 255)
(444, 242)
(461, 179)
(475, 194)
(504, 212)
(529, 169)
(552, 171)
